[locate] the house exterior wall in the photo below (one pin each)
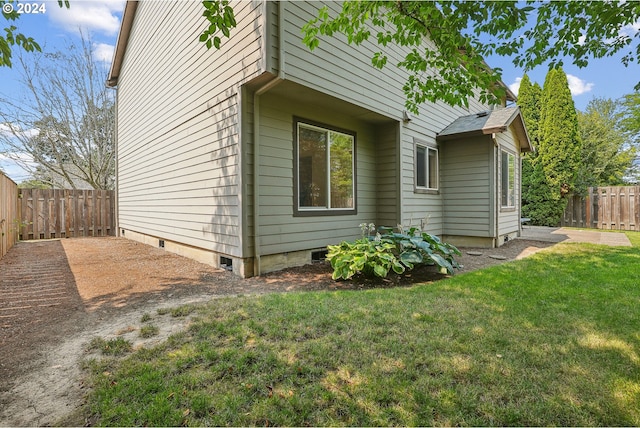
(280, 230)
(345, 72)
(179, 162)
(387, 172)
(186, 140)
(467, 182)
(509, 218)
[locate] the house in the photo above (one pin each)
(258, 155)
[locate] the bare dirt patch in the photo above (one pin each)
(79, 289)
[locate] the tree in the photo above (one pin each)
(62, 130)
(558, 133)
(11, 35)
(34, 184)
(607, 155)
(630, 116)
(557, 162)
(535, 200)
(454, 37)
(630, 124)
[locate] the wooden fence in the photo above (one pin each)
(53, 213)
(614, 208)
(9, 214)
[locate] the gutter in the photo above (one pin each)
(121, 43)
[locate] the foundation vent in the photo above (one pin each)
(318, 256)
(226, 263)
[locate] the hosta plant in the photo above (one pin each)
(388, 250)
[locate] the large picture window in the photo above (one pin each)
(325, 169)
(426, 164)
(508, 180)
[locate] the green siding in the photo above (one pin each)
(466, 186)
(280, 230)
(179, 125)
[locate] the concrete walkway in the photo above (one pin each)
(563, 234)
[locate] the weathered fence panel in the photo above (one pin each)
(614, 208)
(54, 213)
(582, 211)
(9, 214)
(619, 208)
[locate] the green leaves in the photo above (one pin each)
(447, 41)
(221, 18)
(12, 38)
(390, 251)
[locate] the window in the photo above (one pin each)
(426, 167)
(324, 170)
(508, 180)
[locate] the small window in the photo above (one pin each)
(508, 180)
(426, 167)
(325, 170)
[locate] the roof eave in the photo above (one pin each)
(121, 44)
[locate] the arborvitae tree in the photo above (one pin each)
(535, 189)
(529, 98)
(559, 145)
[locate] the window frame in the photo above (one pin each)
(428, 148)
(511, 181)
(321, 211)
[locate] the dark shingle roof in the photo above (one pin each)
(488, 122)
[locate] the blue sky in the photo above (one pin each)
(52, 30)
(606, 78)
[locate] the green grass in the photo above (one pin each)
(553, 339)
(178, 312)
(112, 347)
(147, 331)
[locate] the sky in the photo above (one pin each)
(605, 78)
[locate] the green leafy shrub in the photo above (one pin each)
(388, 250)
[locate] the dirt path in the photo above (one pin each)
(56, 296)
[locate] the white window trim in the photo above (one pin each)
(510, 155)
(428, 147)
(304, 211)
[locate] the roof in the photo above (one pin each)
(488, 122)
(121, 44)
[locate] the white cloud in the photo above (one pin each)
(103, 52)
(578, 86)
(94, 16)
(7, 130)
(13, 168)
(630, 30)
(515, 86)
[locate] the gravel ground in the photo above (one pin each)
(57, 295)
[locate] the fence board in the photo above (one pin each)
(619, 208)
(612, 208)
(54, 213)
(9, 214)
(581, 212)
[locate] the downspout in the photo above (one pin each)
(256, 141)
(496, 187)
(116, 208)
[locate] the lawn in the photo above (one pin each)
(553, 339)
